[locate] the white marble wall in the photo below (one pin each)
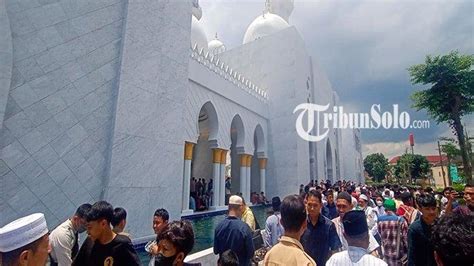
(353, 166)
(279, 62)
(55, 136)
(6, 59)
(148, 143)
(227, 107)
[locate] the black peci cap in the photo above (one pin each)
(276, 202)
(355, 223)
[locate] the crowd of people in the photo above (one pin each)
(325, 224)
(201, 194)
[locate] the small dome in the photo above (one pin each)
(198, 35)
(264, 25)
(282, 8)
(216, 46)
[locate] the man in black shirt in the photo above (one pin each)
(420, 247)
(233, 234)
(103, 247)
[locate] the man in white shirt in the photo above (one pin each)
(357, 235)
(344, 205)
(64, 239)
(370, 213)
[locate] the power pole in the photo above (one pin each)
(442, 166)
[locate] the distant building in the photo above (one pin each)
(436, 174)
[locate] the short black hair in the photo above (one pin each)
(345, 196)
(293, 213)
(82, 211)
(406, 197)
(163, 214)
(429, 190)
(453, 239)
(10, 258)
(314, 193)
(119, 215)
(276, 203)
(180, 234)
(228, 258)
(426, 200)
(101, 210)
(447, 189)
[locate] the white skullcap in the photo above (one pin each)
(235, 200)
(364, 197)
(22, 232)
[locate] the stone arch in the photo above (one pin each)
(208, 122)
(328, 161)
(259, 141)
(259, 152)
(202, 161)
(237, 136)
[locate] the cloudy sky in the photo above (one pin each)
(365, 48)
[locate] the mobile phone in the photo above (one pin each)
(149, 245)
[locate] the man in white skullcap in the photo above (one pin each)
(233, 234)
(25, 241)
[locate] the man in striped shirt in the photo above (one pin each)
(356, 233)
(393, 230)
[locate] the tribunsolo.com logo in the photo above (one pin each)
(338, 119)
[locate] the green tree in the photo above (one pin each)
(412, 167)
(451, 95)
(376, 165)
(451, 149)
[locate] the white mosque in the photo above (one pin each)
(126, 101)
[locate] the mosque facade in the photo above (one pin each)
(126, 101)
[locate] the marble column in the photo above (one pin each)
(222, 172)
(249, 181)
(216, 170)
(243, 175)
(262, 163)
(188, 156)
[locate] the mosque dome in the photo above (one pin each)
(216, 46)
(264, 25)
(198, 35)
(282, 8)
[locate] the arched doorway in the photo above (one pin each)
(237, 136)
(202, 163)
(328, 161)
(257, 185)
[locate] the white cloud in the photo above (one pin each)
(392, 149)
(364, 46)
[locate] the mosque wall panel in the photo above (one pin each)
(55, 136)
(146, 164)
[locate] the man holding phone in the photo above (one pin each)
(468, 198)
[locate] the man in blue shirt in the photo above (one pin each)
(273, 227)
(234, 234)
(330, 208)
(320, 239)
